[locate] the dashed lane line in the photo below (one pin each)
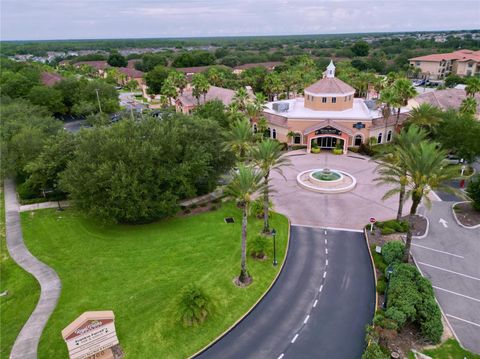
(294, 338)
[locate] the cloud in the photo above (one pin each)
(53, 19)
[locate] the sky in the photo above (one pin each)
(88, 19)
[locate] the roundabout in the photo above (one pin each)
(325, 180)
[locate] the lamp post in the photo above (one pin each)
(389, 274)
(274, 234)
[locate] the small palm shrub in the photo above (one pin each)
(256, 207)
(258, 246)
(194, 305)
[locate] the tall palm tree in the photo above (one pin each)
(246, 181)
(426, 170)
(267, 156)
(392, 170)
(473, 86)
(240, 138)
(469, 106)
(241, 99)
(179, 80)
(200, 86)
(273, 85)
(404, 91)
(169, 90)
(425, 116)
(389, 101)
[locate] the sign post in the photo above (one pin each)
(91, 335)
(372, 222)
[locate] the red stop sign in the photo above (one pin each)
(372, 220)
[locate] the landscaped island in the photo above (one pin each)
(140, 271)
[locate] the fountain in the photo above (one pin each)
(326, 180)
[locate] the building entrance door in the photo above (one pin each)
(327, 142)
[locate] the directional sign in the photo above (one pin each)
(443, 222)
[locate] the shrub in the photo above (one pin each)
(315, 150)
(403, 292)
(194, 305)
(387, 230)
(380, 320)
(298, 147)
(256, 207)
(381, 285)
(378, 259)
(25, 191)
(259, 246)
(430, 319)
(393, 225)
(213, 208)
(397, 316)
(353, 149)
(365, 150)
(473, 191)
(374, 351)
(337, 151)
(193, 206)
(393, 252)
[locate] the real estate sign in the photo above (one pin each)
(91, 334)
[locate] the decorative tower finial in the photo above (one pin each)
(331, 70)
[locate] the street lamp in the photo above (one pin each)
(274, 233)
(389, 274)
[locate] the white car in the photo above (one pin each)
(453, 160)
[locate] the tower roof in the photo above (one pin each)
(329, 86)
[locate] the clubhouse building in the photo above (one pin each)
(329, 116)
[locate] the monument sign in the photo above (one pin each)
(91, 335)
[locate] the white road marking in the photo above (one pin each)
(325, 232)
(324, 274)
(326, 262)
(459, 294)
(325, 241)
(450, 271)
(306, 319)
(320, 289)
(315, 303)
(330, 228)
(326, 251)
(294, 338)
(437, 250)
(281, 356)
(463, 320)
(443, 222)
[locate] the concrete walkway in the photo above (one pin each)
(25, 346)
(43, 205)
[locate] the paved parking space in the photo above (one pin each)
(450, 258)
(350, 210)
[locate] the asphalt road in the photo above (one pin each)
(449, 257)
(318, 308)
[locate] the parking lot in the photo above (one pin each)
(450, 258)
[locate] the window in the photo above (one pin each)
(324, 100)
(297, 139)
(470, 64)
(379, 138)
(255, 127)
(274, 134)
(334, 100)
(358, 140)
(268, 133)
(389, 136)
(345, 98)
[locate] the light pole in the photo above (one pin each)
(274, 234)
(389, 274)
(98, 99)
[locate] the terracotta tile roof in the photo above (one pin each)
(131, 63)
(50, 78)
(131, 72)
(330, 85)
(99, 65)
(445, 99)
(276, 119)
(460, 55)
(268, 65)
(214, 93)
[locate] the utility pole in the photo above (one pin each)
(98, 99)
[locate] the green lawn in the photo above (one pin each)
(23, 292)
(139, 271)
(450, 349)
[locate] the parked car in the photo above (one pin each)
(452, 160)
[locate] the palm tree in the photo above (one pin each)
(425, 116)
(179, 80)
(267, 156)
(473, 86)
(200, 86)
(426, 170)
(404, 91)
(469, 106)
(389, 101)
(273, 85)
(392, 170)
(240, 138)
(241, 99)
(246, 181)
(169, 90)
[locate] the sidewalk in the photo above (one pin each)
(26, 344)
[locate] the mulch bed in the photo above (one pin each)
(466, 215)
(419, 225)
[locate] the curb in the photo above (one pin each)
(426, 229)
(365, 232)
(456, 218)
(234, 325)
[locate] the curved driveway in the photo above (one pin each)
(318, 307)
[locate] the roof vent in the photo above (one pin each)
(280, 106)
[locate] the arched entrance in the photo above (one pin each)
(328, 136)
(328, 142)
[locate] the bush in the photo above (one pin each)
(381, 285)
(337, 151)
(393, 225)
(353, 149)
(380, 320)
(298, 147)
(378, 259)
(374, 351)
(393, 252)
(430, 320)
(194, 305)
(256, 207)
(259, 246)
(397, 316)
(387, 230)
(315, 150)
(26, 192)
(473, 191)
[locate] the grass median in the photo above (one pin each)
(139, 272)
